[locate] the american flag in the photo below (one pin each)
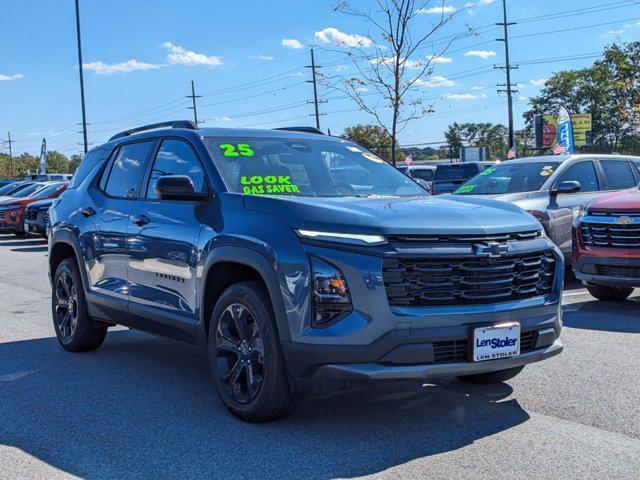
(511, 154)
(559, 149)
(409, 160)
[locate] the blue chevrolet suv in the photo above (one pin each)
(298, 259)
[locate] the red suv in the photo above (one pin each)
(606, 245)
(12, 209)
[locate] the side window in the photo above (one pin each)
(127, 169)
(176, 157)
(635, 168)
(618, 175)
(583, 172)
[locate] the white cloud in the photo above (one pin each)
(266, 58)
(538, 82)
(486, 2)
(437, 59)
(341, 68)
(222, 118)
(180, 56)
(435, 81)
(6, 78)
(297, 74)
(292, 43)
(465, 96)
(333, 36)
(437, 10)
(480, 53)
(101, 68)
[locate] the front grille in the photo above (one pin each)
(1, 215)
(618, 235)
(31, 214)
(467, 280)
(618, 271)
(457, 350)
(464, 238)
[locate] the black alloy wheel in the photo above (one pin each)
(66, 305)
(240, 353)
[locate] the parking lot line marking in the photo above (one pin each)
(571, 294)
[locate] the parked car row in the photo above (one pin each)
(24, 205)
(302, 260)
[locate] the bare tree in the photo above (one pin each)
(390, 60)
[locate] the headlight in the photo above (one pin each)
(353, 238)
(331, 299)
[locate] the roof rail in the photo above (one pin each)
(302, 129)
(153, 126)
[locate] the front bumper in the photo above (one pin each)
(608, 271)
(377, 372)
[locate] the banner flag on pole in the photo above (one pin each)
(43, 157)
(565, 130)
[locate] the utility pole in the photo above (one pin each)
(84, 112)
(316, 102)
(193, 97)
(507, 67)
(9, 143)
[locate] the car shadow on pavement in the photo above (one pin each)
(597, 315)
(143, 407)
(30, 249)
(22, 243)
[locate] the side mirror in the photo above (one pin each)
(566, 187)
(176, 187)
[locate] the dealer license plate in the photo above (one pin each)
(498, 341)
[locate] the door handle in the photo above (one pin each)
(87, 212)
(141, 220)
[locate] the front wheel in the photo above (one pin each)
(491, 378)
(609, 293)
(76, 331)
(245, 357)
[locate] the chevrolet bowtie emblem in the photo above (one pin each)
(623, 220)
(491, 249)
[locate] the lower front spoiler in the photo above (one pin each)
(378, 372)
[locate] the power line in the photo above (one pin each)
(9, 143)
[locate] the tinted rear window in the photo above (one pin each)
(458, 171)
(87, 165)
(618, 175)
(127, 169)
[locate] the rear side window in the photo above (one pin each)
(426, 175)
(583, 172)
(86, 166)
(127, 169)
(458, 171)
(618, 175)
(176, 157)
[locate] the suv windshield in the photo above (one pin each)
(26, 190)
(514, 177)
(457, 171)
(305, 167)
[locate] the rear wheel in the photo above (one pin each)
(491, 378)
(75, 330)
(609, 293)
(246, 361)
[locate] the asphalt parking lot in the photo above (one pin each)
(143, 407)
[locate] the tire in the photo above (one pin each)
(75, 330)
(250, 376)
(491, 378)
(609, 293)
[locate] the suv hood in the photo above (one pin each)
(415, 215)
(509, 197)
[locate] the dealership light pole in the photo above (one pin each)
(507, 67)
(84, 112)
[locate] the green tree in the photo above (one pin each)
(493, 137)
(372, 137)
(608, 90)
(57, 162)
(74, 162)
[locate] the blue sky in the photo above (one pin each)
(247, 60)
